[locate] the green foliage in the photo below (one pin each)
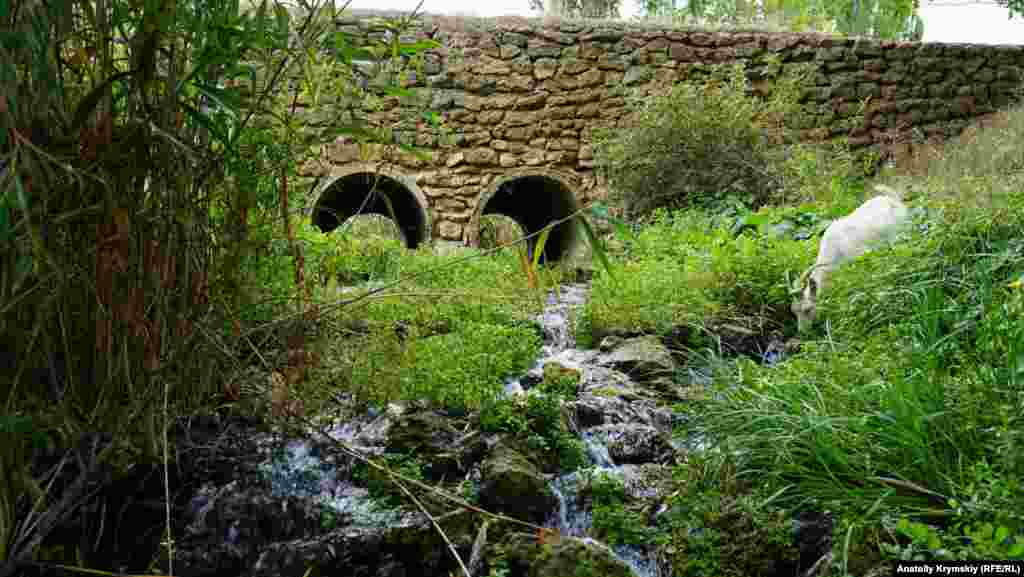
(499, 568)
(688, 267)
(469, 490)
(879, 18)
(537, 422)
(703, 142)
(921, 355)
(464, 368)
(498, 230)
(1016, 7)
(342, 259)
(328, 519)
(612, 521)
(582, 329)
(560, 381)
(547, 432)
(980, 541)
(717, 525)
(503, 416)
(461, 369)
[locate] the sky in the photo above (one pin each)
(974, 21)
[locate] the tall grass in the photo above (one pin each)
(916, 379)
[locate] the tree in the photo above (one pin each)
(578, 8)
(878, 18)
(1016, 7)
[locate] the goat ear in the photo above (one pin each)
(812, 287)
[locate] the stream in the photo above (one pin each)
(572, 518)
(288, 467)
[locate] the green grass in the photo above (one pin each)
(914, 385)
(689, 268)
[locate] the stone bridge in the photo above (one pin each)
(522, 98)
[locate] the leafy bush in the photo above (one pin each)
(704, 141)
(381, 488)
(924, 354)
(462, 369)
(350, 257)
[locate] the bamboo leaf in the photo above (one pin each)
(596, 245)
(538, 249)
(22, 196)
(219, 97)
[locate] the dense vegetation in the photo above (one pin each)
(902, 414)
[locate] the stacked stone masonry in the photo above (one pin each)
(522, 97)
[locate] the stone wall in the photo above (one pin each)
(523, 97)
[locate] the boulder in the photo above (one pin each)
(513, 485)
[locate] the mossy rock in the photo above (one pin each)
(528, 556)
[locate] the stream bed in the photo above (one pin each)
(292, 504)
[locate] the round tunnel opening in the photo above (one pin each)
(366, 193)
(534, 202)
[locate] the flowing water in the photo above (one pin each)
(296, 468)
(573, 518)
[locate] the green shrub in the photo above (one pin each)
(923, 353)
(381, 488)
(703, 142)
(976, 541)
(347, 258)
(538, 424)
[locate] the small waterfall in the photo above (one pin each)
(297, 470)
(574, 517)
(556, 322)
(597, 451)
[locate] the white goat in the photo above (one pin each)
(876, 220)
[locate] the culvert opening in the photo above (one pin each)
(366, 193)
(533, 202)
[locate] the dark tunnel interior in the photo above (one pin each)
(356, 194)
(533, 202)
